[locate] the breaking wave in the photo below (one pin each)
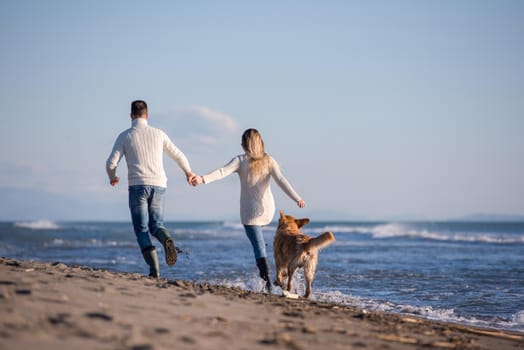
(447, 315)
(38, 225)
(253, 283)
(399, 230)
(88, 243)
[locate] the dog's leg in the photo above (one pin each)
(279, 264)
(280, 277)
(309, 273)
(290, 272)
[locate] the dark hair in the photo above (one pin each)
(138, 108)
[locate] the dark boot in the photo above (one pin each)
(169, 247)
(151, 259)
(263, 268)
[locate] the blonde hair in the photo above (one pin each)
(253, 145)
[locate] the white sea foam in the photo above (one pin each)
(477, 237)
(254, 283)
(447, 315)
(38, 225)
(58, 242)
(209, 232)
(225, 229)
(394, 230)
(377, 231)
(338, 229)
(518, 319)
(233, 225)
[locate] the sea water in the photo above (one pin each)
(467, 273)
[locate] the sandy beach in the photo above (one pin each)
(55, 306)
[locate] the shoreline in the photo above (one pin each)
(55, 306)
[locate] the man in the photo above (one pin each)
(143, 147)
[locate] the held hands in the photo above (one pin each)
(194, 180)
(190, 177)
(197, 180)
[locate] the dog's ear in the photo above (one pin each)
(282, 215)
(302, 222)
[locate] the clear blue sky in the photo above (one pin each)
(374, 109)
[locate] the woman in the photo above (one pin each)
(257, 207)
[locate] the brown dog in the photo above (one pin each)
(293, 249)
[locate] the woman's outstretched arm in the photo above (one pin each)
(217, 174)
(284, 184)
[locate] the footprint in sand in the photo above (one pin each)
(188, 339)
(96, 288)
(281, 339)
(100, 316)
(23, 291)
(162, 330)
(142, 347)
(7, 283)
(61, 318)
(291, 325)
(188, 295)
(293, 314)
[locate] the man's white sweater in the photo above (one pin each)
(143, 147)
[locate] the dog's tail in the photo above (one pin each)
(321, 241)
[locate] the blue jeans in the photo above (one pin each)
(254, 233)
(146, 204)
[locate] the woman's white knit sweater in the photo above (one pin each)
(144, 147)
(257, 206)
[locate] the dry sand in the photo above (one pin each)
(54, 306)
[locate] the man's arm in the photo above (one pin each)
(112, 162)
(179, 157)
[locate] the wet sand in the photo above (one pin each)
(54, 306)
